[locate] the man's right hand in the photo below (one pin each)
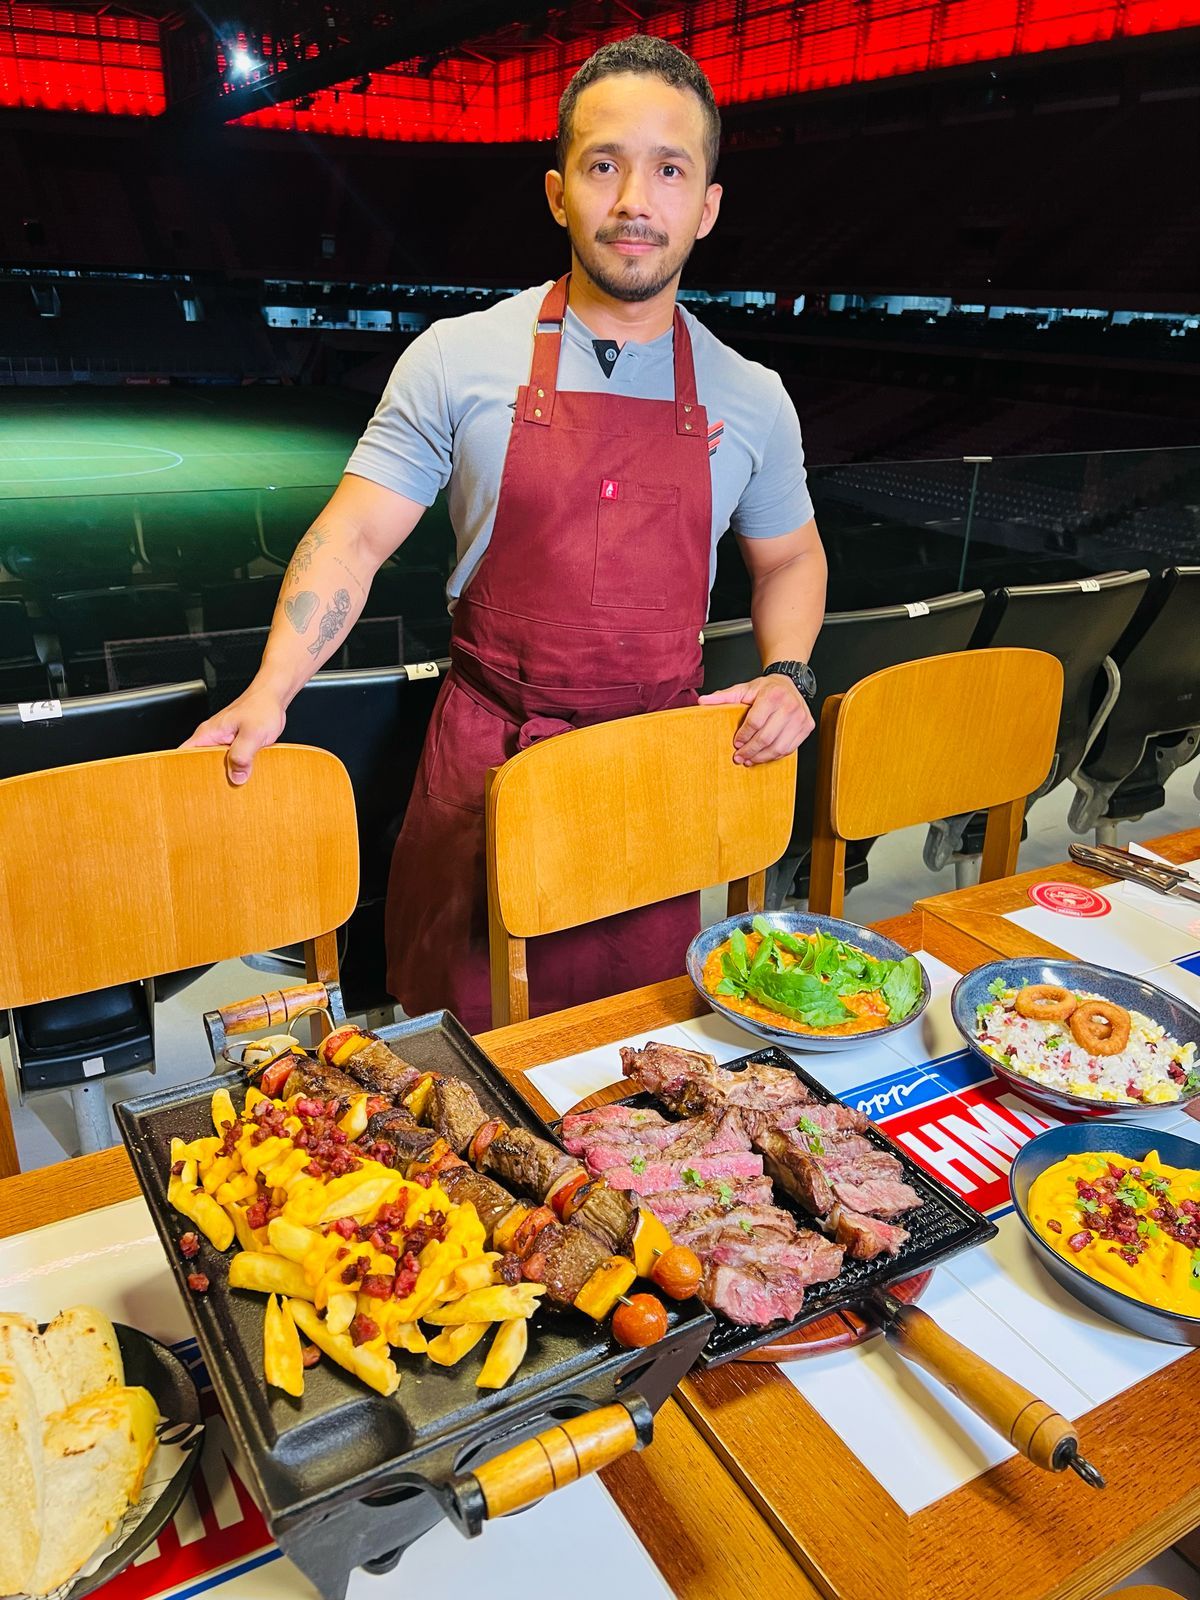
(246, 726)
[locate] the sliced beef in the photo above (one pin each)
(610, 1122)
(865, 1237)
(878, 1197)
(674, 1206)
(826, 1119)
(491, 1202)
(702, 1229)
(808, 1256)
(710, 1135)
(797, 1173)
(376, 1067)
(748, 1295)
(682, 1080)
(527, 1163)
(315, 1079)
(454, 1110)
(650, 1177)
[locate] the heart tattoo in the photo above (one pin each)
(300, 608)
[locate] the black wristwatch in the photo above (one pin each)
(801, 675)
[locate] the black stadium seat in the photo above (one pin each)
(88, 619)
(240, 603)
(850, 646)
(52, 1040)
(374, 722)
(1079, 622)
(1154, 727)
(22, 675)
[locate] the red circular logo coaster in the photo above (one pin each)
(1070, 900)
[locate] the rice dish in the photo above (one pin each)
(1152, 1069)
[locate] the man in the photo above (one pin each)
(586, 513)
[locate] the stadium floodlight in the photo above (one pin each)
(242, 64)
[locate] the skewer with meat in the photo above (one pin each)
(571, 1197)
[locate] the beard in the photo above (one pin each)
(630, 278)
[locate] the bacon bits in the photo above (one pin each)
(310, 1355)
(189, 1244)
(1078, 1241)
(197, 1282)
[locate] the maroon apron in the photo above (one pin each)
(587, 605)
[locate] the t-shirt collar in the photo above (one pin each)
(581, 335)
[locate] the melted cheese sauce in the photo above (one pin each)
(1166, 1273)
(870, 1008)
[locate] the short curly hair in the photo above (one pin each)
(655, 57)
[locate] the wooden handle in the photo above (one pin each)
(549, 1461)
(1029, 1424)
(273, 1010)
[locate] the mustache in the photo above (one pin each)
(627, 235)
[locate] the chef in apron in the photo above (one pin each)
(594, 440)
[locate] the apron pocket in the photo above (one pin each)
(636, 529)
(469, 740)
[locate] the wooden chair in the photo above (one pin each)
(621, 815)
(972, 731)
(115, 870)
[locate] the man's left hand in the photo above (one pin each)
(778, 720)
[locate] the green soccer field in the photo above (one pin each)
(85, 442)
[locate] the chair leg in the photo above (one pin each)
(1002, 840)
(746, 894)
(90, 1105)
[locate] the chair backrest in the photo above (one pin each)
(16, 633)
(850, 646)
(620, 815)
(94, 727)
(150, 863)
(1080, 623)
(239, 603)
(1158, 657)
(973, 731)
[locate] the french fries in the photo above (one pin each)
(310, 1243)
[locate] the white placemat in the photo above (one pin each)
(218, 1542)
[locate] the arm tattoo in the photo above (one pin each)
(332, 622)
(299, 609)
(351, 574)
(304, 552)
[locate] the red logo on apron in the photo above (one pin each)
(609, 489)
(1070, 900)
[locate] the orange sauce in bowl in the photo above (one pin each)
(870, 1008)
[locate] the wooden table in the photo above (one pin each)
(747, 1492)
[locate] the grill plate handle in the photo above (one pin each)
(1030, 1425)
(550, 1460)
(272, 1011)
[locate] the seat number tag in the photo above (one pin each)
(39, 710)
(917, 608)
(1089, 585)
(420, 669)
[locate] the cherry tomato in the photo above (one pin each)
(678, 1272)
(277, 1074)
(639, 1321)
(329, 1047)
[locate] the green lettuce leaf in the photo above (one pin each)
(902, 988)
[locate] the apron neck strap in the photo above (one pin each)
(547, 347)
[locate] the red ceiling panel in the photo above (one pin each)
(61, 60)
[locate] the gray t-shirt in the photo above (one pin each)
(446, 413)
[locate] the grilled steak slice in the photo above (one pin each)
(491, 1202)
(683, 1080)
(407, 1138)
(527, 1163)
(878, 1197)
(564, 1260)
(865, 1237)
(675, 1206)
(650, 1177)
(614, 1123)
(703, 1229)
(610, 1214)
(710, 1135)
(748, 1295)
(796, 1172)
(455, 1112)
(376, 1067)
(808, 1256)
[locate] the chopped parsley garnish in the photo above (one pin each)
(724, 1194)
(998, 987)
(1055, 1043)
(1147, 1229)
(1195, 1279)
(690, 1175)
(638, 1165)
(1155, 1182)
(1088, 1206)
(813, 1134)
(1131, 1196)
(745, 1225)
(1192, 1081)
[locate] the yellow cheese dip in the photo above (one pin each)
(1156, 1266)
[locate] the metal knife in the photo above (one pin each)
(1135, 869)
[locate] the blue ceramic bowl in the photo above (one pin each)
(800, 922)
(1180, 1021)
(1124, 1139)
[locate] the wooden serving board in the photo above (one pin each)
(838, 1331)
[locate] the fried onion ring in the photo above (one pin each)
(1045, 1002)
(1100, 1028)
